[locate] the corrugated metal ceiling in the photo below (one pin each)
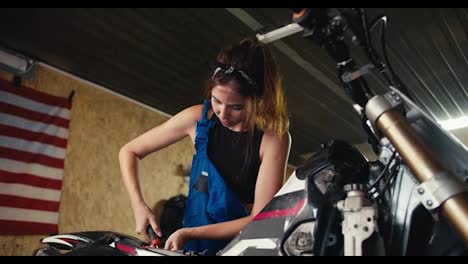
(161, 58)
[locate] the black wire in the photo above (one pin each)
(379, 65)
(377, 61)
(395, 80)
(376, 21)
(383, 171)
(371, 52)
(369, 48)
(386, 184)
(402, 87)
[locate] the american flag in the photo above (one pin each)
(33, 140)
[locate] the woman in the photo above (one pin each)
(247, 128)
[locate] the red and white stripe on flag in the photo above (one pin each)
(33, 140)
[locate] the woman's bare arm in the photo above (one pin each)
(173, 130)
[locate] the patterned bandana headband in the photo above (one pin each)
(227, 70)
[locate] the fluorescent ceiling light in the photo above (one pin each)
(455, 123)
(280, 33)
(16, 63)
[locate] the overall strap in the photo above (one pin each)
(202, 130)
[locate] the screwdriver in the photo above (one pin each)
(155, 240)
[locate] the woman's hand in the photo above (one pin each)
(177, 240)
(144, 217)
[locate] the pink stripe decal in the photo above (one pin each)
(125, 248)
(280, 212)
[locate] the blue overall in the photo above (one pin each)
(209, 200)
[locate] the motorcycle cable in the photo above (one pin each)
(371, 186)
(394, 171)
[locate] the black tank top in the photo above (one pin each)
(227, 151)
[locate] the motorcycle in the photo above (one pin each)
(410, 201)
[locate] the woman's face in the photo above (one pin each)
(229, 106)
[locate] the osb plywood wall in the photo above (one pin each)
(93, 195)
